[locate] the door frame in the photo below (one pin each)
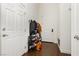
(0, 29)
(73, 26)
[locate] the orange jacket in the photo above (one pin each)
(39, 28)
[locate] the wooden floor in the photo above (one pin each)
(48, 49)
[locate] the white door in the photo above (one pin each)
(12, 30)
(7, 29)
(75, 29)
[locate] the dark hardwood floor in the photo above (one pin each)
(48, 49)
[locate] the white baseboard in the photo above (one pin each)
(65, 51)
(49, 41)
(24, 51)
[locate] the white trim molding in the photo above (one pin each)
(65, 51)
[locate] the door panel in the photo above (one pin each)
(75, 29)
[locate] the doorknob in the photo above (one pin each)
(76, 37)
(4, 35)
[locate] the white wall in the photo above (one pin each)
(32, 11)
(56, 16)
(65, 28)
(49, 17)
